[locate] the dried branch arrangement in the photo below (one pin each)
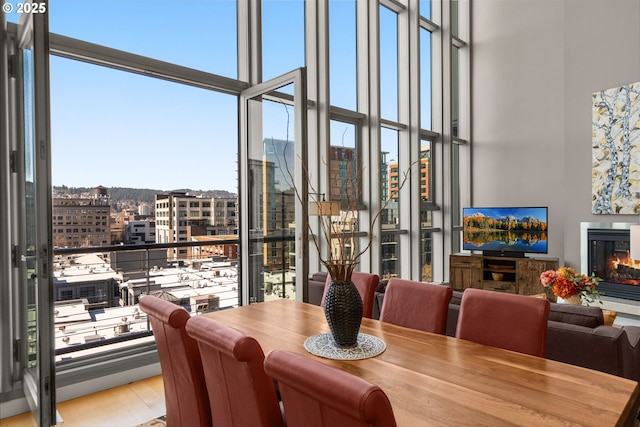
(339, 230)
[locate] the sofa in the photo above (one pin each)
(316, 287)
(575, 334)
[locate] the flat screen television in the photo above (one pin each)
(509, 231)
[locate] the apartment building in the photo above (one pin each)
(82, 221)
(225, 215)
(176, 212)
(139, 232)
(216, 247)
(344, 174)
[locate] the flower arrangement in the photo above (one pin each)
(566, 283)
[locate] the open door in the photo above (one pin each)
(274, 240)
(35, 252)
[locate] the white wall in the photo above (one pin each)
(535, 66)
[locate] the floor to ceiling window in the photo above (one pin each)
(283, 27)
(342, 48)
(131, 131)
(460, 115)
(145, 105)
(195, 34)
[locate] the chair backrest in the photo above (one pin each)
(416, 305)
(240, 393)
(366, 283)
(185, 391)
(317, 395)
(513, 322)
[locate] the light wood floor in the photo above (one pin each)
(126, 406)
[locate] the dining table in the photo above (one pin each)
(437, 380)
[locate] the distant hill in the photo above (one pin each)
(124, 195)
(479, 221)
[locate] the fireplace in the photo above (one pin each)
(605, 253)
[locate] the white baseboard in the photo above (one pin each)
(104, 383)
(13, 407)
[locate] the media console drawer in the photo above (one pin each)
(466, 261)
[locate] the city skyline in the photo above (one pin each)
(88, 188)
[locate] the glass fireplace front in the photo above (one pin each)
(608, 258)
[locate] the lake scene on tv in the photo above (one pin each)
(505, 229)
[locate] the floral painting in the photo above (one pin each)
(615, 178)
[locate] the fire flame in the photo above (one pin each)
(627, 262)
(632, 266)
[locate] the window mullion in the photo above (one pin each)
(367, 16)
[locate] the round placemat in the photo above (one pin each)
(323, 345)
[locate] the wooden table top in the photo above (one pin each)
(434, 380)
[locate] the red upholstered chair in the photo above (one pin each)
(240, 393)
(318, 395)
(513, 322)
(366, 283)
(416, 305)
(185, 391)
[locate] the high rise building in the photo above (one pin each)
(395, 177)
(345, 178)
(276, 218)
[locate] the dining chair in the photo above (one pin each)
(240, 393)
(318, 395)
(185, 391)
(366, 283)
(416, 305)
(509, 321)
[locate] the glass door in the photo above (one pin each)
(35, 247)
(274, 240)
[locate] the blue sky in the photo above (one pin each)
(118, 129)
(114, 128)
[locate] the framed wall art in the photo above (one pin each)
(615, 179)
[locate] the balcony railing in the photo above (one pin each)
(96, 289)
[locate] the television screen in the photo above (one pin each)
(499, 230)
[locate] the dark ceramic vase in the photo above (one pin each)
(343, 310)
